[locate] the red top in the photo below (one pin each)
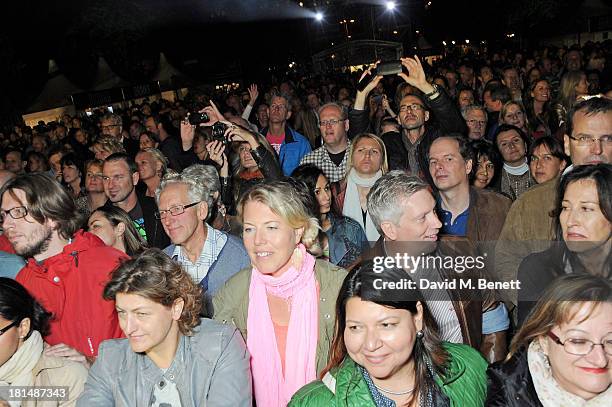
(275, 141)
(5, 245)
(70, 285)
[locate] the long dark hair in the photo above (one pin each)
(133, 241)
(601, 174)
(309, 174)
(16, 304)
(430, 358)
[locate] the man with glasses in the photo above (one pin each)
(185, 204)
(407, 151)
(476, 119)
(67, 268)
(120, 177)
(587, 141)
(332, 155)
(290, 145)
(112, 125)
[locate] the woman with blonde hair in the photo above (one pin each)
(562, 354)
(367, 162)
(170, 356)
(513, 113)
(284, 303)
(573, 85)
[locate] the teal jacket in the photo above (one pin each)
(465, 383)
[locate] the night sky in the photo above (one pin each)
(208, 39)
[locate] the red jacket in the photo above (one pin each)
(5, 245)
(70, 285)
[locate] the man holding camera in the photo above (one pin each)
(418, 129)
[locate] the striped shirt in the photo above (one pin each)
(215, 240)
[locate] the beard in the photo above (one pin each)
(38, 245)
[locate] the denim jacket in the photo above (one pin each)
(346, 240)
(210, 368)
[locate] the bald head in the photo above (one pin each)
(5, 176)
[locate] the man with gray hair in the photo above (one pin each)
(403, 210)
(475, 117)
(185, 203)
(332, 155)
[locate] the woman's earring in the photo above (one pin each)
(420, 335)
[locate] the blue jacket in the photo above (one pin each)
(10, 264)
(294, 147)
(232, 258)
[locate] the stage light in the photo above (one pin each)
(319, 16)
(390, 5)
(467, 41)
(444, 43)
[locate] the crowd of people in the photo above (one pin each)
(225, 249)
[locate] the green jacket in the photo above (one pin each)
(231, 304)
(465, 383)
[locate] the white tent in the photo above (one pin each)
(106, 78)
(56, 91)
(165, 72)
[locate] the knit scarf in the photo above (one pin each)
(520, 170)
(550, 393)
(299, 287)
(352, 207)
(17, 371)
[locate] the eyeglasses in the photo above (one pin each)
(415, 107)
(17, 212)
(110, 126)
(95, 175)
(330, 122)
(474, 122)
(588, 141)
(6, 328)
(174, 211)
(582, 347)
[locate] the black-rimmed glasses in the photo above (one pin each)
(175, 210)
(17, 212)
(6, 328)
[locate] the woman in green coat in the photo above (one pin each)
(386, 351)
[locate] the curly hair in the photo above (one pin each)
(153, 275)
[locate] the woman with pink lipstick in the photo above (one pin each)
(387, 351)
(284, 303)
(583, 228)
(562, 355)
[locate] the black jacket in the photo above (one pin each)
(510, 384)
(444, 118)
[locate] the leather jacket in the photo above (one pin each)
(210, 368)
(510, 384)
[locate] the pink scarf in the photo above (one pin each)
(298, 286)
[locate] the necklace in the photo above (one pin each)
(395, 393)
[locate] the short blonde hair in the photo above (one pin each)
(383, 151)
(285, 201)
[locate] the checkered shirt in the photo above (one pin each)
(320, 158)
